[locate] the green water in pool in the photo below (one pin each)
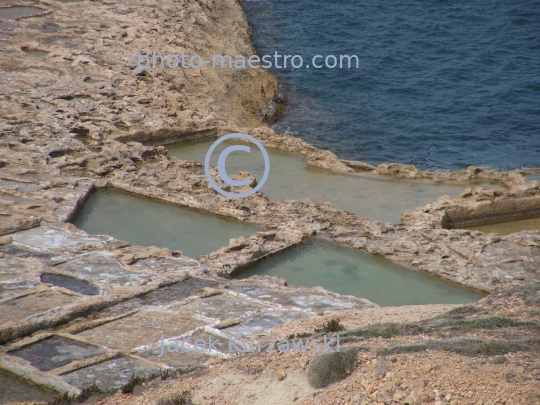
(350, 272)
(142, 221)
(371, 196)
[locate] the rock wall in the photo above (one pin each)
(480, 205)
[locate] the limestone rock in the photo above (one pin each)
(359, 166)
(237, 244)
(227, 323)
(206, 292)
(5, 240)
(127, 259)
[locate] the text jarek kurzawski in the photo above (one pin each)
(243, 345)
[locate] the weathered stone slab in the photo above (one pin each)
(168, 265)
(509, 261)
(142, 328)
(180, 360)
(304, 298)
(17, 250)
(71, 283)
(11, 288)
(109, 375)
(46, 237)
(223, 306)
(16, 276)
(12, 268)
(118, 309)
(222, 343)
(17, 186)
(262, 324)
(55, 352)
(104, 268)
(177, 291)
(33, 304)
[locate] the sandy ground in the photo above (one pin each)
(369, 316)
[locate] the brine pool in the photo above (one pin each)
(375, 197)
(350, 272)
(507, 227)
(340, 269)
(146, 222)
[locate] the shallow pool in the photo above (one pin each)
(146, 222)
(507, 227)
(351, 272)
(371, 196)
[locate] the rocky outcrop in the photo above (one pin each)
(89, 84)
(479, 205)
(472, 173)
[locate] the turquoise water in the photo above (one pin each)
(145, 222)
(441, 84)
(351, 272)
(374, 197)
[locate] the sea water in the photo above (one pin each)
(440, 84)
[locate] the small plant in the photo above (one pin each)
(493, 322)
(133, 381)
(64, 399)
(387, 330)
(175, 399)
(498, 360)
(328, 368)
(461, 312)
(299, 335)
(183, 371)
(167, 373)
(467, 347)
(333, 325)
(398, 349)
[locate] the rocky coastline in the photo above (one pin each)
(79, 117)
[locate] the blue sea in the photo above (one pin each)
(441, 84)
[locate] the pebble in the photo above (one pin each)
(5, 240)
